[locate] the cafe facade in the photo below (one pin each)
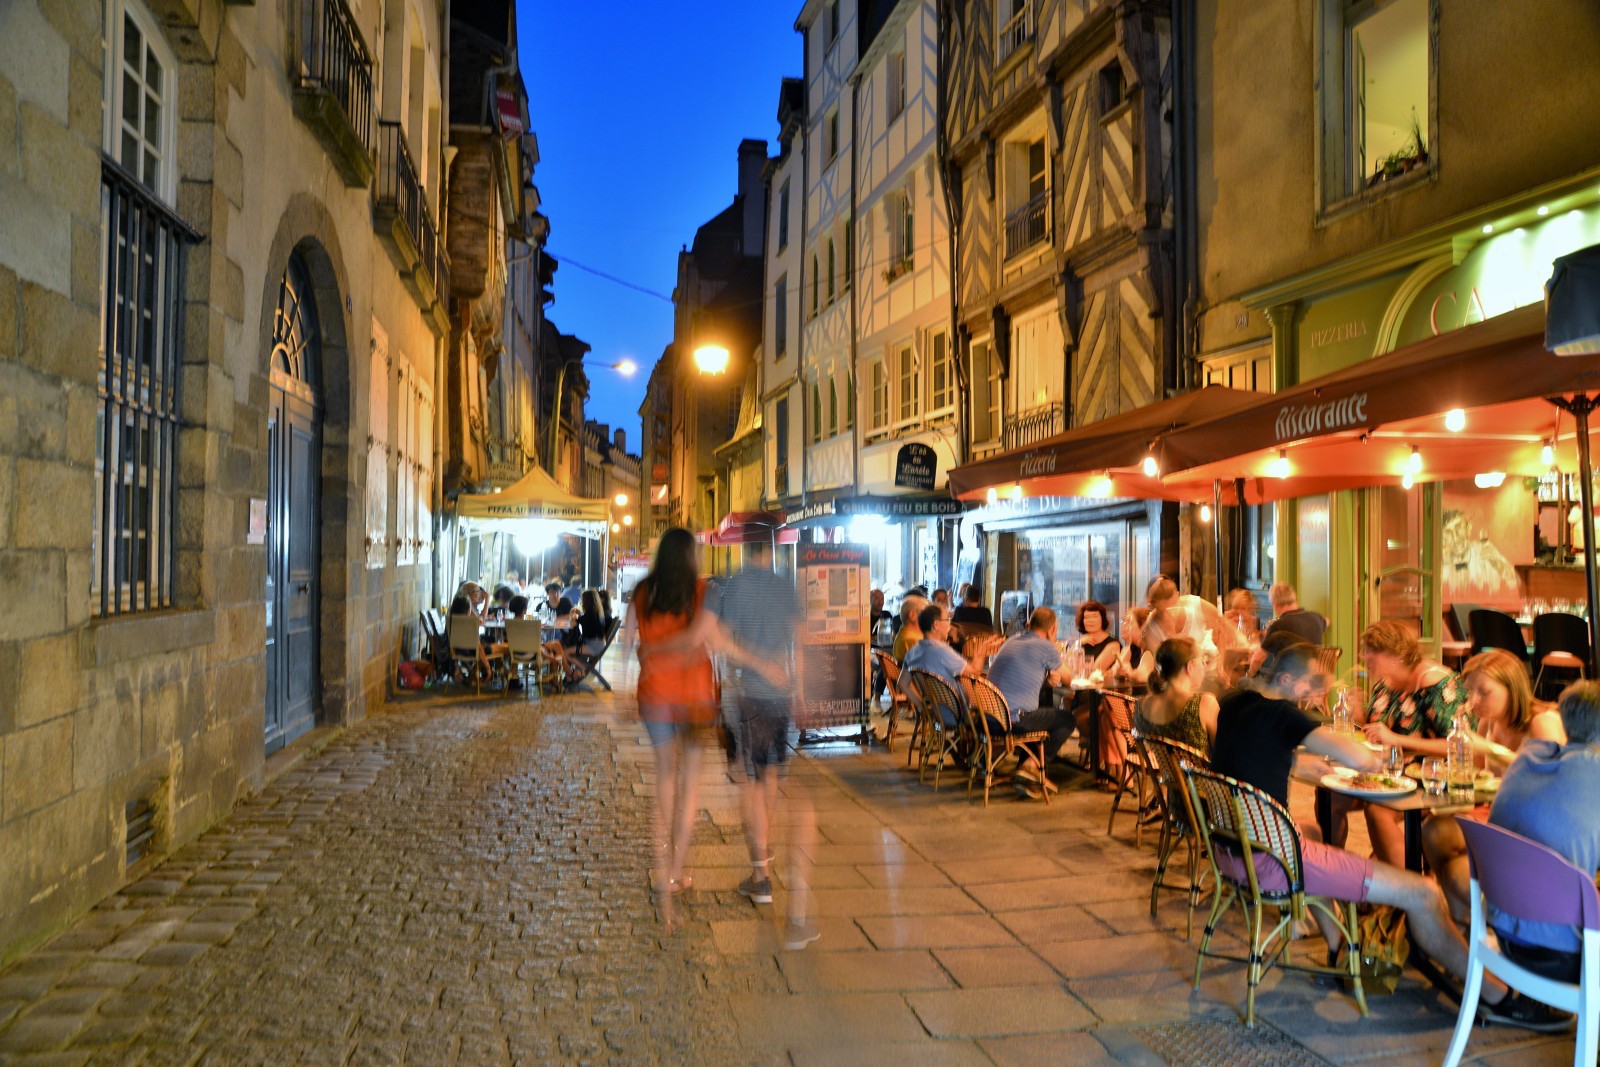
(1481, 537)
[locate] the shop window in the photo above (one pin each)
(910, 382)
(941, 373)
(1378, 80)
(987, 390)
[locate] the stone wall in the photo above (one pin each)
(168, 706)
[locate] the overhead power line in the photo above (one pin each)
(610, 277)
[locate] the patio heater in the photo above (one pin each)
(1572, 328)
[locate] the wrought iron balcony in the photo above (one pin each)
(1013, 35)
(400, 212)
(333, 87)
(1035, 424)
(1028, 225)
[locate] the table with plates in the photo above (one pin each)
(1413, 805)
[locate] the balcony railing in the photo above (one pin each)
(1013, 35)
(1026, 226)
(1035, 424)
(400, 198)
(334, 89)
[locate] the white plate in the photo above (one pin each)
(1082, 683)
(1341, 783)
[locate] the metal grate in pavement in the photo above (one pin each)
(1227, 1043)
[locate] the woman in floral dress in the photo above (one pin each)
(1413, 704)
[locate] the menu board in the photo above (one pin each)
(834, 591)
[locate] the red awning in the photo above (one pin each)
(1359, 426)
(749, 527)
(1099, 459)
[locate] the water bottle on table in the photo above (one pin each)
(1458, 769)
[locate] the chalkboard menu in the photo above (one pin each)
(835, 684)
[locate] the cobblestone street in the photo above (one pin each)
(466, 884)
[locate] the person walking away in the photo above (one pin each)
(760, 611)
(677, 699)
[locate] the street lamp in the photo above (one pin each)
(624, 367)
(621, 499)
(711, 359)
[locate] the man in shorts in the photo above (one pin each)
(1258, 730)
(760, 611)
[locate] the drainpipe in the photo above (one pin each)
(1184, 208)
(441, 347)
(805, 198)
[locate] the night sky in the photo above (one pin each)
(639, 106)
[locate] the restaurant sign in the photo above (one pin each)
(915, 465)
(1309, 420)
(894, 507)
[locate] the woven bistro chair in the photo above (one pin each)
(1134, 776)
(988, 708)
(944, 718)
(1178, 822)
(897, 700)
(981, 647)
(1245, 824)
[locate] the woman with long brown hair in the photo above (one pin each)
(1178, 708)
(677, 698)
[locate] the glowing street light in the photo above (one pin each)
(624, 367)
(1151, 466)
(627, 520)
(621, 499)
(711, 359)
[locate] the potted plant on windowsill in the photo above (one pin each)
(895, 270)
(1410, 156)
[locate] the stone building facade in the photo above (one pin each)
(220, 343)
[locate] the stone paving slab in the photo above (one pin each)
(467, 884)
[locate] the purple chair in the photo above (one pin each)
(1525, 879)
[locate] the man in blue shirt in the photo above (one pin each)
(934, 654)
(1020, 670)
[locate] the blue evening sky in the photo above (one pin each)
(640, 106)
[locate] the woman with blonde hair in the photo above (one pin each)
(1500, 698)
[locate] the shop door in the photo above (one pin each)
(1401, 567)
(293, 520)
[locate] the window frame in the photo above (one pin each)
(993, 392)
(1337, 190)
(780, 317)
(783, 215)
(908, 376)
(940, 402)
(830, 136)
(114, 16)
(878, 404)
(895, 87)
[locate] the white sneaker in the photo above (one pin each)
(797, 935)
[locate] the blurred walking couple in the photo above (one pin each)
(677, 623)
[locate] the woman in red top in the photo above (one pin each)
(677, 696)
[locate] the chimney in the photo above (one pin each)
(752, 164)
(619, 441)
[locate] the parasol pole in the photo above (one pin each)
(1216, 532)
(1580, 406)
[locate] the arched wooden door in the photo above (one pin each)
(294, 463)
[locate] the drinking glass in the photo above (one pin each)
(1397, 760)
(1433, 776)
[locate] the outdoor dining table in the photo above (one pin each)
(1066, 696)
(1413, 806)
